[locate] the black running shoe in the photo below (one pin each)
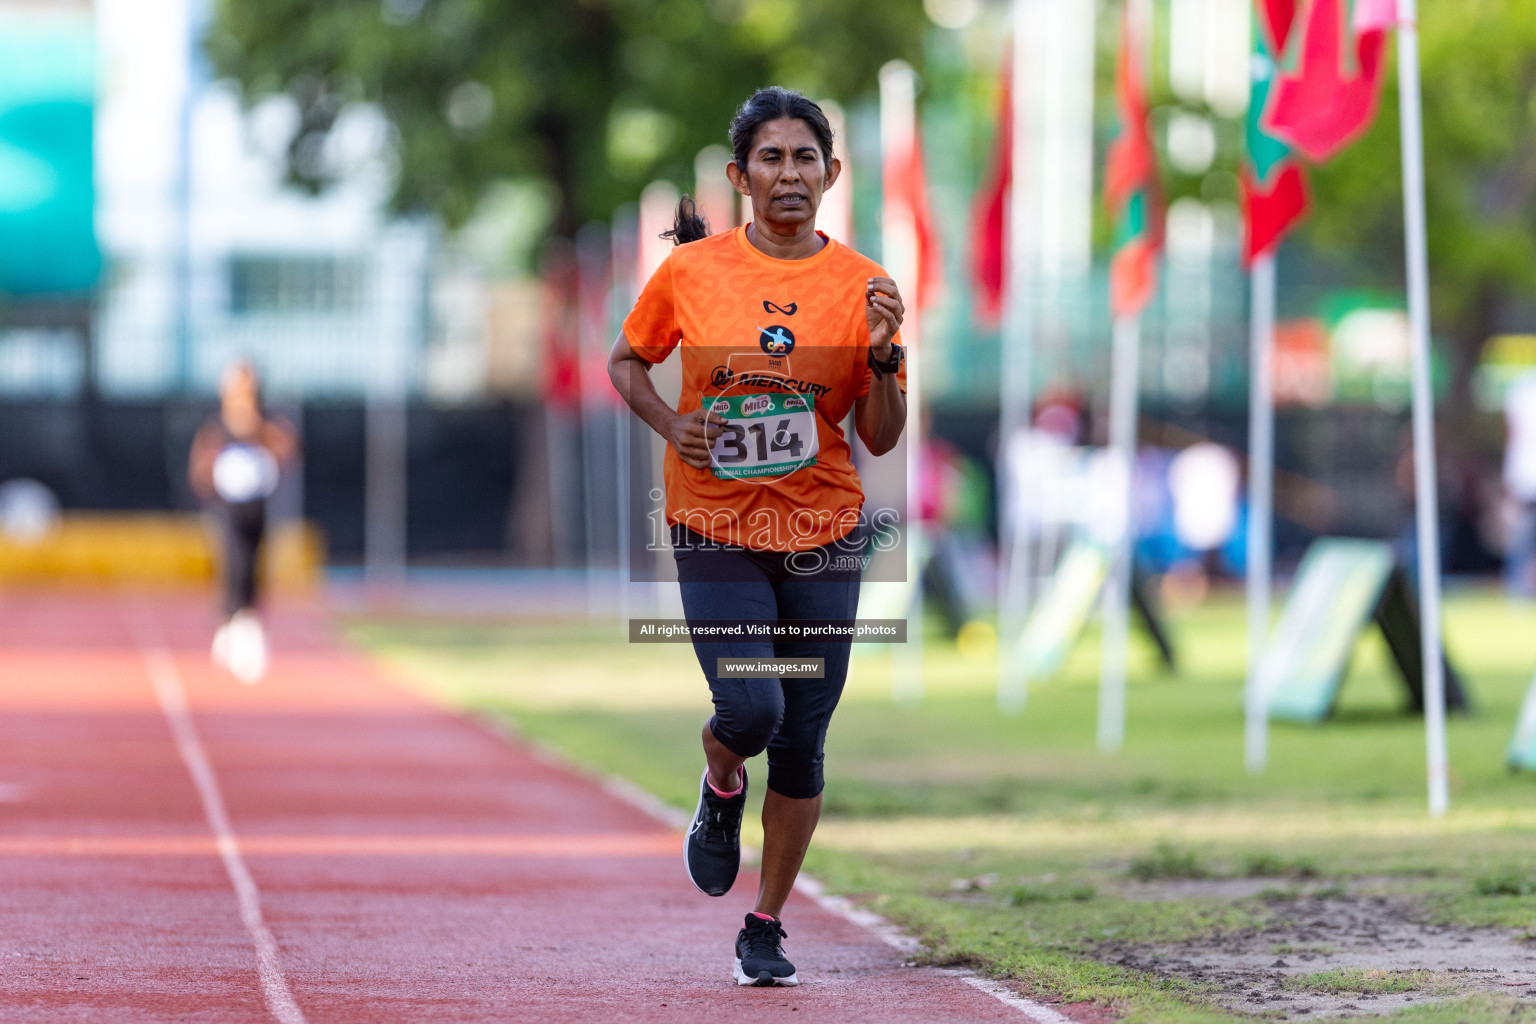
(712, 853)
(759, 956)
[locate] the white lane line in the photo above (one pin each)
(173, 701)
(1003, 994)
(907, 945)
(892, 935)
(849, 911)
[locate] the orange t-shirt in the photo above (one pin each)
(779, 348)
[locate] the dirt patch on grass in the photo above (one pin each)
(1332, 954)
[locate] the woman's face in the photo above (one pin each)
(786, 173)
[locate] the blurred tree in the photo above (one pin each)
(597, 97)
(1479, 70)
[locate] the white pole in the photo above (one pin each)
(835, 215)
(1015, 566)
(402, 256)
(1423, 401)
(898, 245)
(658, 204)
(386, 453)
(1261, 474)
(592, 244)
(1124, 377)
(622, 257)
(1125, 380)
(712, 192)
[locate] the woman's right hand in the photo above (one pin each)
(693, 433)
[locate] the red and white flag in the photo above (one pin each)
(1273, 182)
(1375, 15)
(1131, 192)
(1329, 81)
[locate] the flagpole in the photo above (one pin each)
(1124, 387)
(1015, 561)
(1261, 474)
(899, 244)
(1409, 106)
(1123, 412)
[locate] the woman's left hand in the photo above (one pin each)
(883, 310)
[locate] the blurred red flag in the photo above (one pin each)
(1275, 20)
(1325, 94)
(1375, 15)
(989, 216)
(1272, 208)
(905, 183)
(561, 328)
(1130, 187)
(1273, 184)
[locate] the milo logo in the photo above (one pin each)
(721, 406)
(794, 402)
(756, 404)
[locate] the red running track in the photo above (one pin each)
(374, 858)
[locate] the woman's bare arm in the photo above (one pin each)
(205, 448)
(690, 433)
(880, 415)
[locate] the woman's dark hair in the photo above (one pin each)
(768, 104)
(690, 225)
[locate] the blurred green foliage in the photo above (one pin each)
(596, 97)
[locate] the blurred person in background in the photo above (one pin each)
(236, 461)
(1044, 473)
(1520, 484)
(954, 497)
(1448, 499)
(782, 331)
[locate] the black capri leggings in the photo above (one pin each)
(786, 717)
(242, 524)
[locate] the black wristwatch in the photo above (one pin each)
(891, 365)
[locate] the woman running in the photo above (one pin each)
(237, 458)
(783, 331)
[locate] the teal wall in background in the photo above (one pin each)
(47, 191)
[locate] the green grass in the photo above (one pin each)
(1050, 894)
(1290, 949)
(924, 800)
(1360, 980)
(1273, 865)
(1168, 861)
(1506, 882)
